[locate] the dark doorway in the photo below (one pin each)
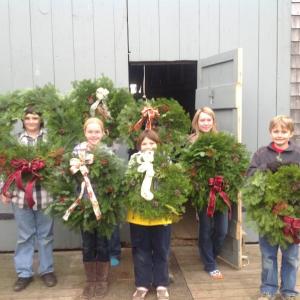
(176, 80)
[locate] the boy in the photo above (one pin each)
(279, 152)
(32, 223)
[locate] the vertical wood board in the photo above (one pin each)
(42, 47)
(63, 50)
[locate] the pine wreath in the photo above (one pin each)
(40, 159)
(170, 187)
(106, 174)
(82, 98)
(269, 198)
(172, 124)
(216, 154)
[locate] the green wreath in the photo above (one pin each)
(83, 96)
(106, 174)
(172, 124)
(216, 154)
(269, 197)
(46, 154)
(170, 187)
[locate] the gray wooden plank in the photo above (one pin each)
(62, 27)
(42, 47)
(121, 44)
(104, 39)
(229, 29)
(169, 29)
(21, 52)
(209, 28)
(134, 27)
(283, 56)
(84, 48)
(189, 29)
(249, 33)
(267, 68)
(5, 51)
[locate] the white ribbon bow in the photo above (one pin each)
(101, 94)
(79, 164)
(145, 159)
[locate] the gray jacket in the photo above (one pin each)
(267, 154)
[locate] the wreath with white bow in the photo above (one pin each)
(155, 187)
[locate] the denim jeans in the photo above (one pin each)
(150, 251)
(289, 268)
(33, 225)
(212, 233)
(115, 243)
(94, 246)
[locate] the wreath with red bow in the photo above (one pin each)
(272, 201)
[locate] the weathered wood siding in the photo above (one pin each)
(195, 29)
(295, 67)
(60, 41)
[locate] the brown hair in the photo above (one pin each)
(283, 121)
(93, 120)
(32, 111)
(150, 134)
(195, 122)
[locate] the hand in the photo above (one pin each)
(274, 166)
(4, 199)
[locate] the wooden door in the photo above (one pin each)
(220, 87)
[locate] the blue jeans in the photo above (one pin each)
(115, 243)
(33, 225)
(289, 268)
(94, 246)
(150, 251)
(212, 233)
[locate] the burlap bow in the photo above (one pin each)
(79, 164)
(148, 115)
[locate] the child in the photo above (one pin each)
(212, 230)
(95, 247)
(32, 223)
(280, 151)
(150, 241)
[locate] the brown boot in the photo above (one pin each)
(102, 271)
(89, 288)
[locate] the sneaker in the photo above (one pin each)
(22, 283)
(140, 293)
(266, 296)
(114, 261)
(162, 293)
(216, 274)
(49, 279)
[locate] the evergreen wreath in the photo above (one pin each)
(106, 174)
(46, 154)
(268, 197)
(173, 123)
(211, 155)
(83, 96)
(170, 187)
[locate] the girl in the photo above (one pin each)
(212, 230)
(95, 247)
(150, 240)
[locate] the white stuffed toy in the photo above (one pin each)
(145, 160)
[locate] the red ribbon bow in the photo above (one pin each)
(292, 228)
(148, 115)
(23, 166)
(216, 186)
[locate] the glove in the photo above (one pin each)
(274, 166)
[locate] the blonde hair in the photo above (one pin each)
(195, 122)
(93, 120)
(283, 121)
